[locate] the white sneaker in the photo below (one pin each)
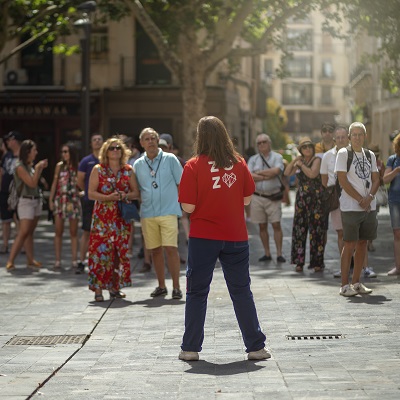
(360, 288)
(189, 355)
(347, 291)
(261, 354)
(337, 274)
(394, 271)
(369, 272)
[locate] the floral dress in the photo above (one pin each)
(308, 216)
(109, 234)
(67, 204)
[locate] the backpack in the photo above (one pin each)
(13, 195)
(350, 155)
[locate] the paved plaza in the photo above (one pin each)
(323, 346)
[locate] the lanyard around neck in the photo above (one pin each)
(152, 172)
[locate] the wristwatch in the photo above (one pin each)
(372, 195)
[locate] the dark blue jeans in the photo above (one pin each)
(234, 259)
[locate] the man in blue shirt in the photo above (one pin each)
(158, 174)
(84, 169)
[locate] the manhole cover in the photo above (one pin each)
(314, 337)
(46, 340)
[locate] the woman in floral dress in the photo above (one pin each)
(64, 201)
(308, 212)
(111, 181)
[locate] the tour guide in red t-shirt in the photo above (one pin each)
(215, 186)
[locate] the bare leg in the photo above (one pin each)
(159, 267)
(173, 264)
(6, 225)
(265, 238)
(278, 237)
(73, 231)
(345, 259)
(59, 230)
(359, 259)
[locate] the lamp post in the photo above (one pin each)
(84, 23)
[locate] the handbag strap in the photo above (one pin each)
(265, 162)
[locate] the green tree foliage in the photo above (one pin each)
(380, 20)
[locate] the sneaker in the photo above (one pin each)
(177, 294)
(261, 354)
(159, 292)
(394, 271)
(281, 259)
(265, 258)
(337, 274)
(360, 288)
(80, 269)
(348, 291)
(189, 355)
(369, 272)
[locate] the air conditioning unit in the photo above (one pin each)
(16, 77)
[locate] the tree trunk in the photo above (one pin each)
(193, 82)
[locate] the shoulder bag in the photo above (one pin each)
(276, 196)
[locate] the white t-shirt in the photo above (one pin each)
(328, 165)
(359, 176)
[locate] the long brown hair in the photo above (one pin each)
(212, 140)
(396, 144)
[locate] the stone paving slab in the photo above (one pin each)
(132, 346)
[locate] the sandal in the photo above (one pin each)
(299, 268)
(74, 264)
(318, 269)
(10, 267)
(98, 297)
(117, 295)
(34, 264)
(57, 265)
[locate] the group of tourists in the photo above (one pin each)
(337, 177)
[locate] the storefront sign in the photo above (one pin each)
(36, 110)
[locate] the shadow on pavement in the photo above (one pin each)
(370, 299)
(234, 368)
(159, 302)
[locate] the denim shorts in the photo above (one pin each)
(394, 209)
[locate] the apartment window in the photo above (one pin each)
(268, 68)
(300, 39)
(326, 95)
(326, 42)
(296, 20)
(300, 67)
(327, 69)
(296, 93)
(99, 43)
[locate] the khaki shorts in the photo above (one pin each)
(160, 231)
(29, 208)
(264, 210)
(336, 220)
(359, 225)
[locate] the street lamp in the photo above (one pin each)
(84, 23)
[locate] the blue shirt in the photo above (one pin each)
(163, 199)
(394, 189)
(86, 166)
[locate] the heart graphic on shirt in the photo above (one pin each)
(229, 180)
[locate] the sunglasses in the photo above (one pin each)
(262, 142)
(307, 146)
(330, 130)
(113, 148)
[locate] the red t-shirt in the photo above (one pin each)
(218, 195)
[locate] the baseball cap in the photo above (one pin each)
(162, 142)
(13, 135)
(167, 137)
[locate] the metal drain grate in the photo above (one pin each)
(46, 340)
(314, 337)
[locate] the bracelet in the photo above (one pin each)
(372, 195)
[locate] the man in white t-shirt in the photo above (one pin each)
(358, 206)
(328, 178)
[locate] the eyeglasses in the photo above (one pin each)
(113, 148)
(65, 151)
(330, 130)
(262, 142)
(357, 135)
(307, 146)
